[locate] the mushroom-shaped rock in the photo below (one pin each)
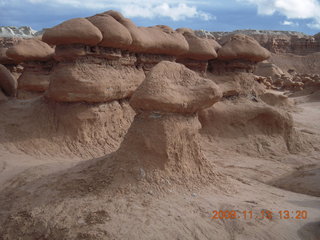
(240, 46)
(8, 83)
(154, 40)
(77, 30)
(171, 87)
(115, 35)
(163, 139)
(30, 50)
(199, 48)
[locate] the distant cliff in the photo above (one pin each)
(275, 41)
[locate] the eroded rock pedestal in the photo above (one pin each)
(36, 58)
(163, 140)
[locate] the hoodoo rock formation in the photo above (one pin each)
(36, 58)
(200, 51)
(87, 72)
(14, 67)
(239, 53)
(164, 134)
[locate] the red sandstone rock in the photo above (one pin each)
(114, 34)
(77, 30)
(243, 47)
(8, 83)
(30, 50)
(171, 87)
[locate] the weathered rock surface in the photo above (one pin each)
(30, 50)
(240, 46)
(8, 83)
(77, 30)
(114, 34)
(93, 80)
(275, 41)
(154, 40)
(171, 87)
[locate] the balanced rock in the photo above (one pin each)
(171, 87)
(163, 140)
(77, 30)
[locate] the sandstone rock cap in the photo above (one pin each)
(199, 48)
(154, 40)
(240, 46)
(77, 30)
(30, 50)
(115, 35)
(173, 88)
(8, 83)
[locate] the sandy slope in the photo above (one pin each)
(246, 183)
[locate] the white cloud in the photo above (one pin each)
(289, 23)
(175, 12)
(174, 9)
(292, 9)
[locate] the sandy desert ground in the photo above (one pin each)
(246, 181)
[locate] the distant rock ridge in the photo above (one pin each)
(275, 41)
(19, 32)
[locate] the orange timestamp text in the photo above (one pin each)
(263, 214)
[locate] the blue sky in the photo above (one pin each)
(212, 15)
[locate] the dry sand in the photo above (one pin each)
(53, 197)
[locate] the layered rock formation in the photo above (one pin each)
(105, 57)
(275, 41)
(36, 58)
